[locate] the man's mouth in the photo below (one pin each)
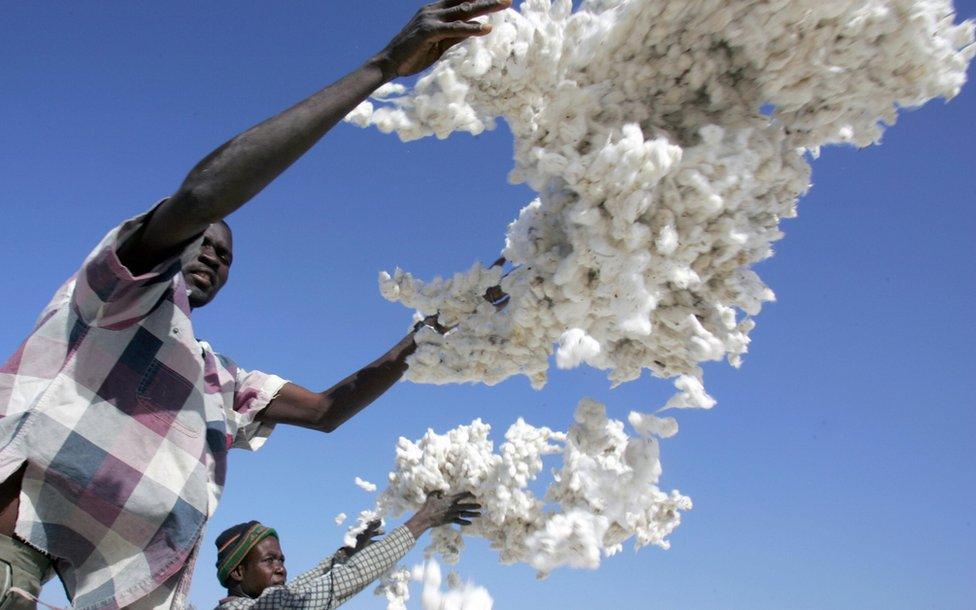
(203, 277)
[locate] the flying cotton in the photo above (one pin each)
(666, 140)
(603, 493)
(458, 595)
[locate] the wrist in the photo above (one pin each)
(384, 64)
(417, 526)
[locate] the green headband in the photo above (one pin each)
(236, 549)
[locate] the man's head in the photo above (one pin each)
(207, 273)
(249, 559)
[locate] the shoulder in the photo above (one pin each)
(234, 603)
(222, 360)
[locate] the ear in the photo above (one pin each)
(237, 574)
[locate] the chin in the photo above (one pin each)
(199, 298)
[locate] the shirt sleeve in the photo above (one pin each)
(107, 295)
(253, 391)
(335, 587)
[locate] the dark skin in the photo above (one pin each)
(264, 565)
(238, 170)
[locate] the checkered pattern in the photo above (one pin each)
(331, 584)
(124, 420)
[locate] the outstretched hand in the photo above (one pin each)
(441, 510)
(433, 30)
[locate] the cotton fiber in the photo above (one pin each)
(603, 490)
(666, 140)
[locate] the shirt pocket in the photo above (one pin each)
(164, 394)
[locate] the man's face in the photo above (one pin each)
(208, 272)
(263, 567)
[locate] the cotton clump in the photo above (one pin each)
(458, 596)
(602, 494)
(365, 485)
(666, 140)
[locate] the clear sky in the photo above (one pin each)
(838, 469)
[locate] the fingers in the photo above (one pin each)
(469, 7)
(453, 32)
(465, 10)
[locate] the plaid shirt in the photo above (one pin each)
(124, 420)
(330, 584)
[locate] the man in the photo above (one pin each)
(116, 421)
(251, 565)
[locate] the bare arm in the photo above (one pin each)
(326, 411)
(234, 173)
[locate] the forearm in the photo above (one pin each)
(327, 410)
(234, 173)
(239, 169)
(369, 564)
(354, 393)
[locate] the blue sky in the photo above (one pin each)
(838, 469)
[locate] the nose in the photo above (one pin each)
(208, 256)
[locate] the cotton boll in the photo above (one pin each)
(395, 587)
(603, 493)
(361, 115)
(365, 485)
(458, 596)
(388, 90)
(691, 394)
(575, 347)
(340, 518)
(649, 425)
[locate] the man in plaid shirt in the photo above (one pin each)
(251, 565)
(115, 421)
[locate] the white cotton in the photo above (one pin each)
(362, 522)
(395, 587)
(691, 394)
(646, 424)
(365, 485)
(458, 596)
(575, 347)
(361, 115)
(340, 518)
(601, 493)
(667, 142)
(388, 90)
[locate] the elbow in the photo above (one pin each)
(326, 425)
(198, 202)
(325, 416)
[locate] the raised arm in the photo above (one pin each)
(230, 176)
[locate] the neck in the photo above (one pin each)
(237, 591)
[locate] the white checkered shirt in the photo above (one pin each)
(124, 420)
